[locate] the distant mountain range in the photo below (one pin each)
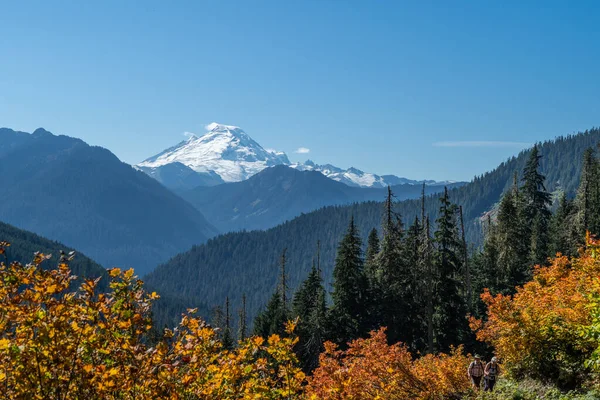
(280, 193)
(83, 196)
(358, 178)
(227, 154)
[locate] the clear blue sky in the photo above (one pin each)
(387, 87)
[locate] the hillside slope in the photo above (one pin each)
(24, 244)
(280, 193)
(83, 196)
(232, 264)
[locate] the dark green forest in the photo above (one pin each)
(421, 282)
(248, 262)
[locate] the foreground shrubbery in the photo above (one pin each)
(371, 369)
(549, 329)
(56, 343)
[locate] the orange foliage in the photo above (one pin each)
(59, 344)
(538, 331)
(372, 369)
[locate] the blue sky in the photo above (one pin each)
(439, 90)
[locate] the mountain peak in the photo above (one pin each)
(216, 127)
(41, 132)
(225, 150)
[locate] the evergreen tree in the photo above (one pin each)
(243, 326)
(412, 332)
(373, 247)
(488, 270)
(427, 287)
(512, 249)
(227, 337)
(272, 319)
(587, 201)
(348, 316)
(393, 283)
(563, 228)
(537, 213)
(309, 306)
(465, 262)
(450, 307)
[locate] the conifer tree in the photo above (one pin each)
(537, 213)
(309, 306)
(427, 286)
(587, 201)
(348, 314)
(512, 249)
(243, 325)
(450, 310)
(393, 283)
(373, 248)
(227, 337)
(272, 319)
(564, 228)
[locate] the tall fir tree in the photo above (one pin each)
(348, 315)
(587, 200)
(272, 320)
(309, 306)
(427, 288)
(373, 248)
(227, 338)
(537, 214)
(243, 323)
(450, 306)
(393, 285)
(564, 228)
(512, 243)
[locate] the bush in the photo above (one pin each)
(545, 331)
(59, 344)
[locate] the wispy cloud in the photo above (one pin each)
(302, 150)
(482, 143)
(189, 134)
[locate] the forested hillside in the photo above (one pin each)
(280, 193)
(24, 244)
(247, 262)
(61, 188)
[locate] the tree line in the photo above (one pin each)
(421, 281)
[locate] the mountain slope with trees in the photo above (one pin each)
(247, 262)
(24, 244)
(280, 193)
(66, 190)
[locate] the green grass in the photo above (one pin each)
(507, 389)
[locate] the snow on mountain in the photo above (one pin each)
(227, 154)
(225, 150)
(356, 177)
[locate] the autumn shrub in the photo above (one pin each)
(372, 369)
(56, 343)
(545, 330)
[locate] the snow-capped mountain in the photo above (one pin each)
(356, 177)
(224, 150)
(227, 154)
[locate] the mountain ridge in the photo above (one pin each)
(84, 196)
(280, 193)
